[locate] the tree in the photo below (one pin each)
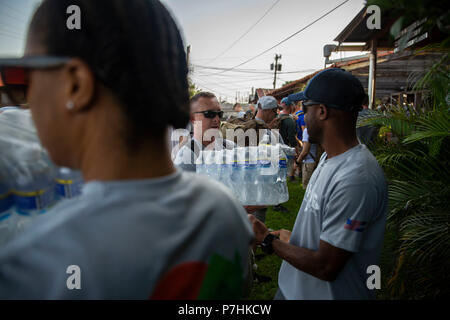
(193, 90)
(416, 161)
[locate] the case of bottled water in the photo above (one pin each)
(256, 175)
(30, 184)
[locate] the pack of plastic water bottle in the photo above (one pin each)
(256, 175)
(30, 184)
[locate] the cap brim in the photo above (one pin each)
(295, 97)
(33, 62)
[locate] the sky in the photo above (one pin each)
(223, 34)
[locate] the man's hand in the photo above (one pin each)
(283, 234)
(259, 229)
(251, 209)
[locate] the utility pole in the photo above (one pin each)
(276, 67)
(188, 52)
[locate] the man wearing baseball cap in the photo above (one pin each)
(267, 108)
(339, 229)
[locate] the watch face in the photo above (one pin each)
(266, 245)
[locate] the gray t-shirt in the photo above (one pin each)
(135, 239)
(345, 205)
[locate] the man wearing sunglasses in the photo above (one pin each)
(205, 118)
(339, 229)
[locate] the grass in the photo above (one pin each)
(269, 265)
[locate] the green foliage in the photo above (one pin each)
(286, 83)
(408, 11)
(193, 90)
(414, 152)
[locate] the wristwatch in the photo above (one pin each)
(266, 245)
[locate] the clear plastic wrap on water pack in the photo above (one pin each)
(256, 175)
(30, 184)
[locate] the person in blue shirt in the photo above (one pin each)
(300, 122)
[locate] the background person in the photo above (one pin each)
(307, 159)
(204, 117)
(141, 229)
(288, 129)
(238, 108)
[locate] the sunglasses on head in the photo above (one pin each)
(211, 114)
(14, 73)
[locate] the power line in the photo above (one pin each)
(250, 71)
(2, 33)
(284, 40)
(245, 33)
(244, 81)
(203, 73)
(200, 83)
(7, 28)
(17, 19)
(237, 85)
(14, 9)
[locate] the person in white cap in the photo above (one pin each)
(267, 109)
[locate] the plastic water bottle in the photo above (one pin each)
(200, 166)
(208, 158)
(6, 209)
(33, 186)
(221, 166)
(239, 175)
(235, 174)
(227, 168)
(281, 179)
(68, 183)
(250, 174)
(264, 193)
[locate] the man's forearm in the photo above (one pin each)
(303, 259)
(302, 156)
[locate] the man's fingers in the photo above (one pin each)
(276, 233)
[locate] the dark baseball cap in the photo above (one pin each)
(334, 88)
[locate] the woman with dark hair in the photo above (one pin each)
(102, 98)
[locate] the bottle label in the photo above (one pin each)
(264, 163)
(250, 164)
(35, 200)
(283, 163)
(68, 188)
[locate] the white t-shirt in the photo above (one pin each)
(312, 149)
(345, 205)
(179, 237)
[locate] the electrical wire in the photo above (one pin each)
(284, 40)
(245, 33)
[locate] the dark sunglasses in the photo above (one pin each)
(309, 104)
(211, 114)
(14, 73)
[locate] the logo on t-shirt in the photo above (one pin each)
(355, 225)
